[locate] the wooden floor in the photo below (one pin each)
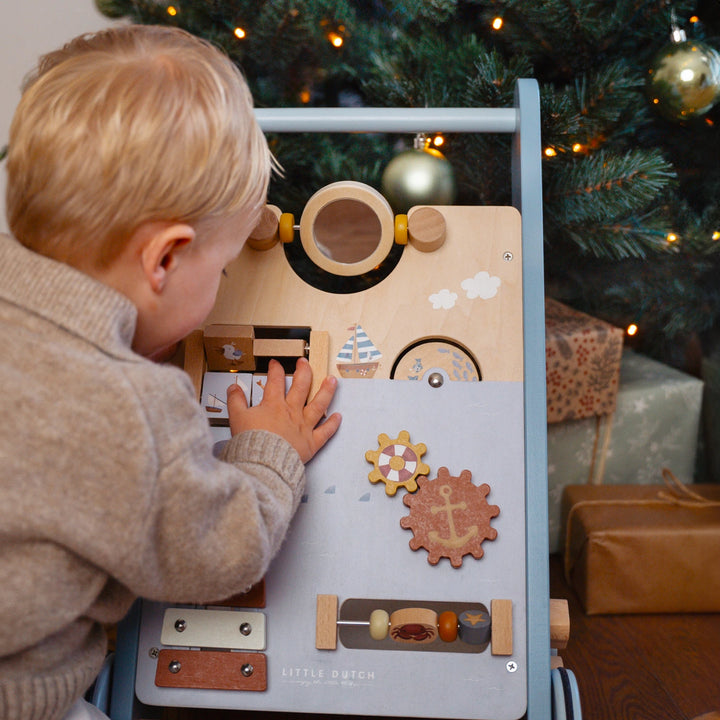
(628, 667)
(641, 667)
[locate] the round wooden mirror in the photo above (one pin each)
(347, 228)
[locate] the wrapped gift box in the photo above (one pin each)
(655, 425)
(643, 548)
(582, 357)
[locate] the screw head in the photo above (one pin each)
(511, 666)
(245, 629)
(436, 380)
(247, 670)
(180, 625)
(174, 667)
(153, 653)
(507, 256)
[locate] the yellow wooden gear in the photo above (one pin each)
(397, 462)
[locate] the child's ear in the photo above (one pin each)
(162, 251)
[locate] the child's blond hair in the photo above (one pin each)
(125, 126)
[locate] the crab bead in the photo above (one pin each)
(379, 624)
(448, 626)
(413, 625)
(474, 627)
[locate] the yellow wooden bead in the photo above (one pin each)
(379, 624)
(401, 229)
(286, 228)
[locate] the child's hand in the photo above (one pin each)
(288, 415)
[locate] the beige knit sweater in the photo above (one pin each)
(108, 486)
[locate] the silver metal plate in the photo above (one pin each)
(226, 629)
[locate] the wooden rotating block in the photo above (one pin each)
(426, 229)
(326, 622)
(474, 627)
(414, 625)
(265, 234)
(417, 361)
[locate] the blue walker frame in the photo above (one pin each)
(523, 122)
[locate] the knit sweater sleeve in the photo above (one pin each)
(208, 528)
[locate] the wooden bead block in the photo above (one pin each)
(318, 358)
(413, 625)
(426, 228)
(501, 634)
(474, 627)
(194, 363)
(559, 624)
(265, 234)
(229, 347)
(326, 622)
(278, 347)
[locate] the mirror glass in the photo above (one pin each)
(347, 231)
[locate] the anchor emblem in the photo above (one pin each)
(455, 540)
(440, 515)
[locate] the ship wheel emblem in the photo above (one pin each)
(397, 462)
(450, 517)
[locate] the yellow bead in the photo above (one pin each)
(379, 624)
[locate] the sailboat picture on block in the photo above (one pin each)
(358, 357)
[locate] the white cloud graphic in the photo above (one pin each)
(481, 286)
(444, 299)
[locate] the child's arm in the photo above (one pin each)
(288, 415)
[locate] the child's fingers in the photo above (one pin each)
(275, 385)
(317, 407)
(323, 432)
(236, 399)
(300, 387)
(236, 403)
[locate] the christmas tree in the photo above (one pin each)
(630, 171)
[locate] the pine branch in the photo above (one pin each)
(598, 186)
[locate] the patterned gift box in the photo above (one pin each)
(655, 425)
(582, 361)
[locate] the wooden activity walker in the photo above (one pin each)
(414, 578)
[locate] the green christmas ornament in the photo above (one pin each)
(421, 176)
(683, 80)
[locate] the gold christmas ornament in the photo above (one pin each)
(683, 80)
(421, 176)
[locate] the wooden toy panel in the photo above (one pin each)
(355, 537)
(347, 540)
(468, 291)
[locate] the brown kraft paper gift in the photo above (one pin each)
(643, 548)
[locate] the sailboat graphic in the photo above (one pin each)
(214, 404)
(358, 357)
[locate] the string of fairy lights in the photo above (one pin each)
(336, 34)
